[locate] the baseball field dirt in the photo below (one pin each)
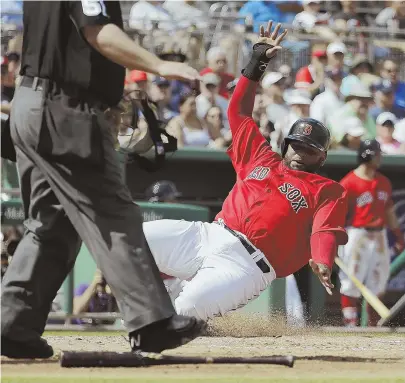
(320, 357)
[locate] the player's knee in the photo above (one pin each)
(191, 308)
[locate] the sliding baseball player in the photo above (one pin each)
(279, 216)
(371, 211)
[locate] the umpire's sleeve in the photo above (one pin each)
(88, 12)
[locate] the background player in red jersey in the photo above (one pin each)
(279, 216)
(370, 212)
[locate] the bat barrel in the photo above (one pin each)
(71, 359)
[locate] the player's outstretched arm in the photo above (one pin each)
(242, 101)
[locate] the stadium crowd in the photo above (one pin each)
(340, 86)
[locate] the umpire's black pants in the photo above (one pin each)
(72, 190)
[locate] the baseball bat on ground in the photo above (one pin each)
(393, 313)
(144, 359)
(372, 300)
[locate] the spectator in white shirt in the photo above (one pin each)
(326, 103)
(299, 108)
(353, 132)
(399, 134)
(385, 133)
(393, 18)
(210, 96)
(272, 85)
(145, 14)
(310, 16)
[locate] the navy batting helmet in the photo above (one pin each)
(161, 191)
(367, 150)
(309, 131)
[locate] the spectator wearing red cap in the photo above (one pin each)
(311, 77)
(136, 80)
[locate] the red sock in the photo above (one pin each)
(349, 310)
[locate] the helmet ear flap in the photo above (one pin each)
(284, 147)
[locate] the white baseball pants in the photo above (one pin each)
(214, 272)
(367, 257)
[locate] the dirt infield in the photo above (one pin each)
(320, 357)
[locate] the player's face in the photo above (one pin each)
(300, 156)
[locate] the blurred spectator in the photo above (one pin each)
(299, 108)
(10, 238)
(266, 128)
(262, 11)
(11, 14)
(399, 134)
(136, 80)
(259, 108)
(384, 101)
(393, 18)
(95, 297)
(214, 120)
(353, 131)
(218, 63)
(161, 94)
(162, 191)
(312, 20)
(348, 18)
(325, 104)
(385, 129)
(390, 72)
(273, 101)
(145, 15)
(230, 87)
(286, 71)
(210, 96)
(7, 82)
(312, 77)
(336, 54)
(187, 127)
(360, 65)
(186, 14)
(357, 104)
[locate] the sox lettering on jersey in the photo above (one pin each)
(294, 196)
(259, 173)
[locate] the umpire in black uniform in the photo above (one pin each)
(73, 59)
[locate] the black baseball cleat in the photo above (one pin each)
(38, 349)
(166, 334)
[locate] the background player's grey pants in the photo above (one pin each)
(71, 183)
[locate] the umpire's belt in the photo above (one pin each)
(38, 83)
(261, 263)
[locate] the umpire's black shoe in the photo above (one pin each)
(166, 334)
(38, 349)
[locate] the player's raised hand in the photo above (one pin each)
(272, 38)
(324, 273)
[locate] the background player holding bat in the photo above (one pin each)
(370, 212)
(279, 216)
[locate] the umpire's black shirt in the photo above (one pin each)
(55, 49)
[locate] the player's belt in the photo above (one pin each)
(374, 228)
(261, 264)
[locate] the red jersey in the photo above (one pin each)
(368, 200)
(225, 79)
(278, 209)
